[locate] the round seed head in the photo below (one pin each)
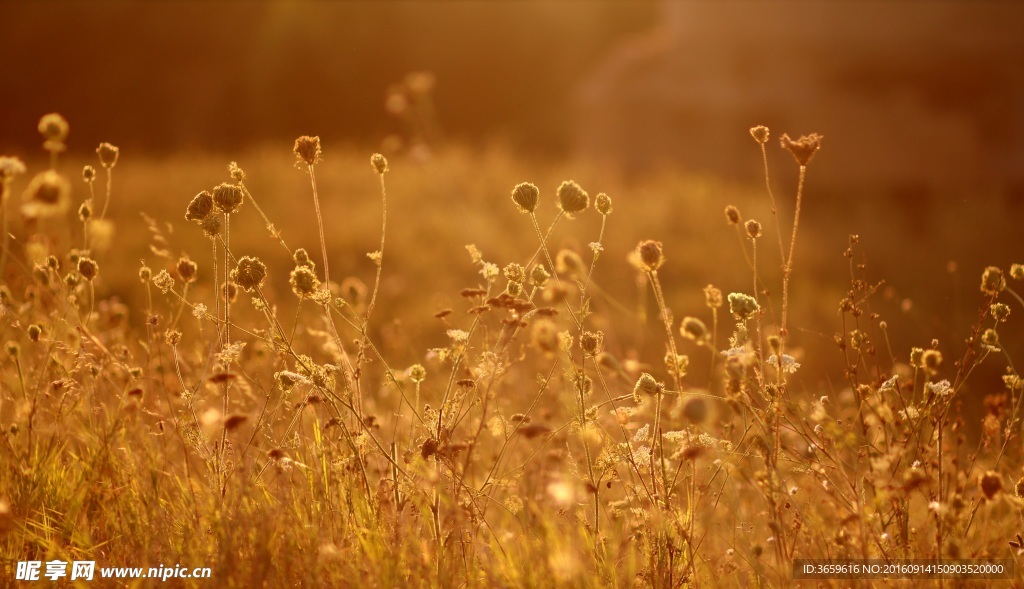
(539, 275)
(303, 281)
(713, 297)
(992, 281)
(47, 195)
(10, 167)
(753, 229)
(187, 270)
(804, 148)
(759, 133)
(1017, 271)
(227, 198)
(931, 360)
(417, 373)
(249, 273)
(88, 268)
(603, 204)
(651, 255)
(12, 348)
(732, 215)
(172, 337)
(379, 163)
(211, 226)
(54, 129)
(526, 196)
(515, 272)
(572, 198)
(743, 306)
(108, 155)
(1000, 312)
(200, 207)
(145, 274)
(163, 281)
(307, 150)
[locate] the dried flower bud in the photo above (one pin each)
(694, 329)
(172, 337)
(803, 149)
(88, 174)
(1018, 489)
(200, 207)
(10, 167)
(88, 268)
(572, 198)
(931, 360)
(515, 272)
(211, 226)
(307, 150)
(304, 281)
(760, 134)
(526, 196)
(992, 281)
(54, 129)
(651, 255)
(539, 275)
(12, 348)
(145, 274)
(753, 229)
(249, 273)
(108, 155)
(85, 211)
(227, 198)
(417, 373)
(1017, 271)
(301, 258)
(991, 484)
(379, 163)
(187, 270)
(1000, 312)
(732, 215)
(712, 297)
(163, 281)
(592, 342)
(34, 331)
(603, 204)
(237, 174)
(646, 384)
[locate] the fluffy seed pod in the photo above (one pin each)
(227, 198)
(88, 268)
(379, 163)
(307, 150)
(108, 155)
(187, 270)
(249, 273)
(651, 255)
(804, 148)
(200, 207)
(572, 198)
(526, 196)
(759, 133)
(303, 281)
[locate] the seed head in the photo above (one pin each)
(249, 273)
(34, 331)
(712, 297)
(163, 281)
(804, 148)
(379, 163)
(187, 270)
(651, 255)
(237, 174)
(417, 373)
(108, 155)
(992, 281)
(732, 215)
(526, 196)
(227, 198)
(145, 274)
(990, 338)
(753, 229)
(200, 207)
(694, 329)
(571, 198)
(172, 337)
(515, 272)
(760, 134)
(603, 204)
(89, 174)
(592, 342)
(10, 167)
(301, 258)
(307, 150)
(54, 129)
(12, 348)
(88, 268)
(1018, 489)
(991, 484)
(646, 384)
(304, 281)
(85, 211)
(211, 226)
(1000, 312)
(743, 306)
(539, 275)
(49, 194)
(931, 360)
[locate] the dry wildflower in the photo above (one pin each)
(85, 211)
(237, 174)
(417, 373)
(89, 174)
(759, 133)
(88, 268)
(187, 270)
(742, 306)
(694, 329)
(572, 198)
(163, 281)
(712, 297)
(108, 155)
(991, 484)
(200, 207)
(227, 198)
(54, 129)
(732, 215)
(211, 226)
(646, 384)
(172, 337)
(379, 163)
(514, 272)
(592, 342)
(12, 348)
(301, 258)
(307, 150)
(34, 331)
(526, 196)
(10, 167)
(47, 195)
(1000, 312)
(145, 274)
(753, 229)
(803, 149)
(930, 361)
(789, 364)
(303, 281)
(990, 338)
(1016, 270)
(1018, 489)
(992, 281)
(651, 255)
(915, 356)
(249, 273)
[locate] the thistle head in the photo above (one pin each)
(200, 207)
(249, 273)
(227, 198)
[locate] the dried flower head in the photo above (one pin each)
(931, 360)
(187, 270)
(753, 229)
(303, 281)
(603, 204)
(417, 373)
(249, 273)
(732, 215)
(145, 274)
(646, 384)
(227, 198)
(760, 134)
(526, 196)
(301, 258)
(572, 198)
(10, 167)
(514, 272)
(991, 484)
(694, 329)
(172, 337)
(163, 281)
(379, 163)
(237, 174)
(592, 342)
(712, 297)
(47, 195)
(307, 150)
(1000, 312)
(211, 226)
(88, 268)
(1018, 489)
(804, 148)
(651, 255)
(992, 281)
(34, 332)
(54, 129)
(539, 275)
(108, 155)
(743, 306)
(85, 211)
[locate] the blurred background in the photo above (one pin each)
(921, 104)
